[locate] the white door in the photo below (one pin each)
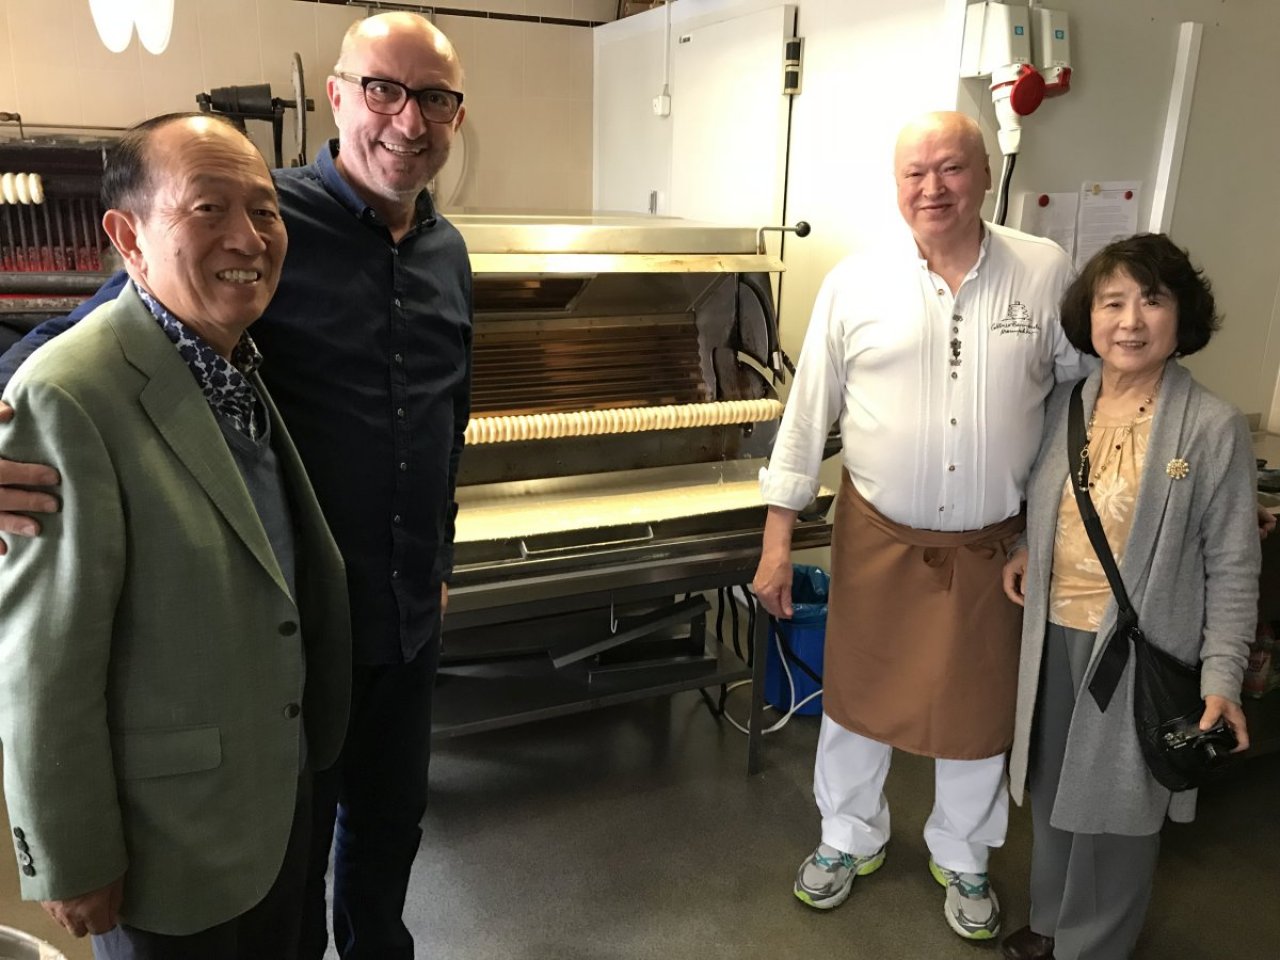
(721, 153)
(730, 119)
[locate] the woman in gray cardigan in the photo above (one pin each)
(1171, 473)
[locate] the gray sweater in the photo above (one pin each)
(1191, 569)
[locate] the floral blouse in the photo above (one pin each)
(1078, 589)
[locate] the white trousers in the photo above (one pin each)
(970, 803)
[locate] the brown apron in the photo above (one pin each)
(922, 644)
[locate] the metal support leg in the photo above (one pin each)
(755, 722)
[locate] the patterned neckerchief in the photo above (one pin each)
(224, 385)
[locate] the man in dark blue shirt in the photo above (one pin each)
(367, 352)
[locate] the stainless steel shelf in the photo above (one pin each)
(474, 698)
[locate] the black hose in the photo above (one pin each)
(1002, 198)
(758, 284)
(789, 652)
(734, 626)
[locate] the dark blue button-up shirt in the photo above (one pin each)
(367, 353)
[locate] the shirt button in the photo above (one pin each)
(292, 711)
(403, 465)
(956, 317)
(954, 375)
(940, 292)
(953, 421)
(952, 468)
(400, 412)
(940, 509)
(288, 628)
(396, 518)
(399, 358)
(397, 301)
(395, 574)
(955, 329)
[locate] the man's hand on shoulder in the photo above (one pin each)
(16, 498)
(95, 912)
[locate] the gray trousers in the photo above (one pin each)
(1089, 892)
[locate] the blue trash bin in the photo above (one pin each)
(805, 633)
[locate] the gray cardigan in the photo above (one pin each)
(1191, 570)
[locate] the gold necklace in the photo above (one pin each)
(1126, 431)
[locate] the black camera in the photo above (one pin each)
(1213, 745)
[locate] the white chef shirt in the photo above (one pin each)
(930, 442)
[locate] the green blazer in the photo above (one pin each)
(152, 660)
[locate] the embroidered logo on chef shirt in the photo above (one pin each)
(1017, 320)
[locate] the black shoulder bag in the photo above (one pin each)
(1166, 697)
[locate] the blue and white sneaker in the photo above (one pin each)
(827, 876)
(971, 907)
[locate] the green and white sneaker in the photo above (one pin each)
(971, 907)
(826, 877)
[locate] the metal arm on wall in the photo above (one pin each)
(14, 118)
(255, 102)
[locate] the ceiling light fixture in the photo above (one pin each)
(154, 20)
(115, 20)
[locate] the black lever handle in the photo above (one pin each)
(801, 229)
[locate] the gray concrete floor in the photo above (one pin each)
(633, 833)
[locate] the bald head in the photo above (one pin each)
(400, 27)
(941, 168)
(957, 127)
(389, 156)
(128, 179)
(208, 241)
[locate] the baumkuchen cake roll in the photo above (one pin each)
(592, 423)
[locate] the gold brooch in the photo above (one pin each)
(1177, 468)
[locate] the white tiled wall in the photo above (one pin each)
(598, 10)
(528, 126)
(527, 141)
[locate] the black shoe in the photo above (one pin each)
(1026, 944)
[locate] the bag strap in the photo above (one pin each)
(1106, 676)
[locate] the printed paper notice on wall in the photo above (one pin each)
(1050, 215)
(1108, 211)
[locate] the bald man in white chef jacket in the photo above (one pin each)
(934, 352)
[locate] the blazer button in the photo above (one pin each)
(29, 870)
(288, 628)
(22, 846)
(291, 711)
(17, 832)
(24, 858)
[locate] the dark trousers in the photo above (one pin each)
(378, 791)
(268, 931)
(1090, 891)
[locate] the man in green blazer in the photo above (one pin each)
(175, 650)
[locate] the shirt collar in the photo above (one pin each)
(337, 184)
(984, 247)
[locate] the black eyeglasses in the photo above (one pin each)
(388, 98)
